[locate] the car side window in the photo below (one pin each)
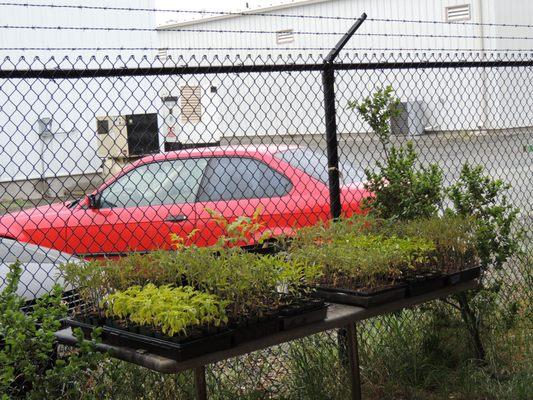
(157, 183)
(235, 178)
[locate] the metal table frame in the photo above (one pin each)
(339, 316)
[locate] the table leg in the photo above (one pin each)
(199, 383)
(353, 358)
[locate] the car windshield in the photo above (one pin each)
(314, 162)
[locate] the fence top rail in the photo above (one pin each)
(257, 68)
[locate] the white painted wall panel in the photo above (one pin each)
(454, 99)
(73, 104)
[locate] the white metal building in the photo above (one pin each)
(48, 127)
(469, 102)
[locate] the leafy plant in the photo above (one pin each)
(377, 111)
(366, 260)
(239, 231)
(174, 310)
(29, 366)
(400, 189)
(453, 236)
(483, 198)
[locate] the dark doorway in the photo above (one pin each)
(143, 137)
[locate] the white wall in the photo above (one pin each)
(454, 99)
(73, 104)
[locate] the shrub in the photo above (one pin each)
(400, 188)
(483, 198)
(29, 368)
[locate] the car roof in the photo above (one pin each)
(230, 150)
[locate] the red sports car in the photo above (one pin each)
(172, 193)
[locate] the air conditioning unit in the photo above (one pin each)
(126, 136)
(411, 119)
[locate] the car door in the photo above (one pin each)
(238, 186)
(140, 210)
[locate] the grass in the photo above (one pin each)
(428, 356)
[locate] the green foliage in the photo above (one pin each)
(453, 235)
(400, 188)
(483, 198)
(248, 283)
(365, 260)
(28, 368)
(424, 355)
(377, 110)
(173, 310)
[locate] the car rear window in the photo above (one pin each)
(314, 162)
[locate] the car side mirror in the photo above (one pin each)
(94, 201)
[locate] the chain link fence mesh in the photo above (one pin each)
(107, 157)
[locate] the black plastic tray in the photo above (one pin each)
(463, 276)
(416, 287)
(361, 299)
(306, 315)
(259, 329)
(470, 273)
(177, 351)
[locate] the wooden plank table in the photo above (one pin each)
(338, 316)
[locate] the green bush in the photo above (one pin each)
(401, 189)
(29, 368)
(484, 199)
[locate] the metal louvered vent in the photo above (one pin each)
(285, 36)
(191, 104)
(162, 54)
(458, 13)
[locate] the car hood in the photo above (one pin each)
(17, 224)
(36, 279)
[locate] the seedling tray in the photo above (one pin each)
(312, 311)
(463, 276)
(182, 351)
(245, 333)
(426, 284)
(470, 273)
(361, 298)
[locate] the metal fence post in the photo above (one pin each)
(344, 337)
(328, 83)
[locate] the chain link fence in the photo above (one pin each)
(108, 157)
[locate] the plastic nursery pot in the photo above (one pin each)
(179, 350)
(85, 327)
(362, 298)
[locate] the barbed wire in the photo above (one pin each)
(244, 31)
(260, 48)
(259, 13)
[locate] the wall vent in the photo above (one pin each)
(162, 54)
(191, 104)
(285, 36)
(458, 13)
